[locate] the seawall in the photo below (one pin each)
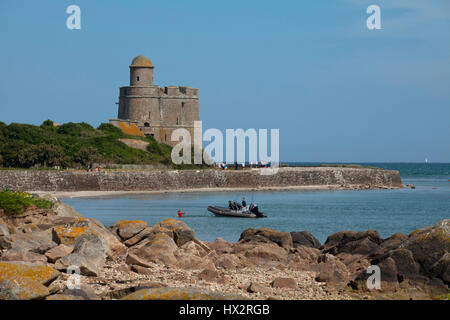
(185, 180)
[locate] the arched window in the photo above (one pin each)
(137, 78)
(147, 124)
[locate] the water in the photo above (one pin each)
(321, 212)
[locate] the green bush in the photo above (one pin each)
(17, 202)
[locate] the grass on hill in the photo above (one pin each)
(14, 203)
(74, 145)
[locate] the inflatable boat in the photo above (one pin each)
(226, 212)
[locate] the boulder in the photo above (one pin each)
(25, 281)
(181, 232)
(58, 252)
(304, 238)
(141, 270)
(38, 242)
(84, 292)
(23, 255)
(266, 235)
(221, 246)
(118, 294)
(429, 245)
(67, 231)
(133, 259)
(284, 283)
(258, 288)
(169, 293)
(262, 254)
(89, 254)
(146, 232)
(227, 261)
(128, 228)
(4, 230)
(332, 271)
(209, 274)
(363, 243)
(442, 268)
(159, 249)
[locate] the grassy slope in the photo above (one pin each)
(73, 145)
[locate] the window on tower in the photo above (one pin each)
(137, 78)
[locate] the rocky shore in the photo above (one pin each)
(40, 248)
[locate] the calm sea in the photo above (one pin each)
(320, 212)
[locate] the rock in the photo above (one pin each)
(332, 271)
(89, 254)
(38, 242)
(57, 286)
(146, 232)
(4, 231)
(221, 246)
(404, 261)
(169, 293)
(116, 248)
(25, 282)
(429, 245)
(283, 239)
(227, 261)
(42, 274)
(141, 270)
(181, 232)
(67, 233)
(64, 297)
(304, 238)
(58, 252)
(133, 259)
(23, 255)
(285, 283)
(442, 268)
(258, 288)
(209, 274)
(63, 210)
(118, 294)
(22, 289)
(262, 254)
(364, 243)
(85, 292)
(159, 249)
(182, 236)
(128, 228)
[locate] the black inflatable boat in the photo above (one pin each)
(226, 212)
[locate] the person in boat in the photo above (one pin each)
(254, 209)
(244, 204)
(230, 205)
(236, 206)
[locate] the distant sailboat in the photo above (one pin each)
(426, 160)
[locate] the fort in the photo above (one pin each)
(149, 110)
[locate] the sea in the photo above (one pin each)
(321, 212)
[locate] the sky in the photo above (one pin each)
(337, 91)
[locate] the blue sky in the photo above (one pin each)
(336, 91)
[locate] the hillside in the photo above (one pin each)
(74, 145)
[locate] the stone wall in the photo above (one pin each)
(165, 180)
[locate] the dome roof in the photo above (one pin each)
(141, 62)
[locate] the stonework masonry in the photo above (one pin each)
(154, 110)
(172, 180)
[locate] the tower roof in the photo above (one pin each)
(141, 62)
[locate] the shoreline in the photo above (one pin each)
(100, 193)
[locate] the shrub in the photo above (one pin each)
(17, 202)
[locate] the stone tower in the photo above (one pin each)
(154, 110)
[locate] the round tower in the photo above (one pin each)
(141, 72)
